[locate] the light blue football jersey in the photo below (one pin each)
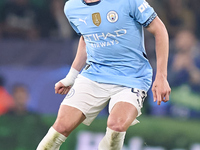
(113, 32)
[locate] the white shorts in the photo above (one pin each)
(91, 97)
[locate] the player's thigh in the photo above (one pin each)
(87, 96)
(125, 106)
(68, 119)
(121, 116)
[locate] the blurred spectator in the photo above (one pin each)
(184, 76)
(46, 20)
(184, 70)
(64, 30)
(177, 15)
(30, 19)
(19, 19)
(19, 123)
(20, 96)
(6, 101)
(194, 6)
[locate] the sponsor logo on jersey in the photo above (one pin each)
(105, 44)
(104, 36)
(111, 38)
(96, 18)
(143, 6)
(112, 16)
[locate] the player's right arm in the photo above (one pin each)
(81, 55)
(64, 85)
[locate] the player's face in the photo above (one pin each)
(91, 1)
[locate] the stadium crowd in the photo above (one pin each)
(28, 19)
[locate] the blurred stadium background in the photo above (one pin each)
(37, 47)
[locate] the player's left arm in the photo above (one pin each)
(160, 88)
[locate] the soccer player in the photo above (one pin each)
(117, 70)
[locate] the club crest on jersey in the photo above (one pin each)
(96, 18)
(112, 16)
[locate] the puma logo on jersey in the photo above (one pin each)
(81, 20)
(143, 6)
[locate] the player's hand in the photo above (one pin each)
(61, 89)
(161, 89)
(63, 86)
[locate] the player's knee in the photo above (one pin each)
(63, 127)
(117, 125)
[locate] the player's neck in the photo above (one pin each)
(91, 1)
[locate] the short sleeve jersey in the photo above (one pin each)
(113, 33)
